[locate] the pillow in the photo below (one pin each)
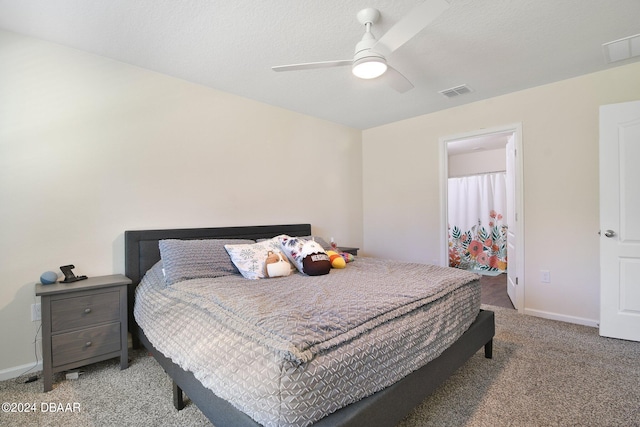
(307, 255)
(319, 240)
(250, 259)
(193, 259)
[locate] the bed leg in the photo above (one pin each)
(488, 349)
(178, 397)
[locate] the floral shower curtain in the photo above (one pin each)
(477, 227)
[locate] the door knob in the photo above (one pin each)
(609, 233)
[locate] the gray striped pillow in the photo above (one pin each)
(194, 259)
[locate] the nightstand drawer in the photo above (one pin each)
(84, 344)
(77, 312)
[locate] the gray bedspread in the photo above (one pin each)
(288, 351)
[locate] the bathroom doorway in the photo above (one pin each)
(482, 216)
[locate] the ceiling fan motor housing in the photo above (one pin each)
(368, 64)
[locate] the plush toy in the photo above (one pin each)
(308, 256)
(347, 256)
(315, 261)
(337, 261)
(277, 265)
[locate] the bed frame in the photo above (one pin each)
(384, 408)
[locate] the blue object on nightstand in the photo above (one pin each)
(48, 277)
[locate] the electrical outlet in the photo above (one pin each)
(545, 276)
(36, 313)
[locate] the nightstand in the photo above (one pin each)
(82, 323)
(352, 251)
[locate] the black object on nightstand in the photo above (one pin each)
(82, 323)
(68, 274)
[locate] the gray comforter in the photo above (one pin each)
(288, 351)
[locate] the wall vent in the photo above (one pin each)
(619, 50)
(456, 91)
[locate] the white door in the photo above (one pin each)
(512, 257)
(620, 221)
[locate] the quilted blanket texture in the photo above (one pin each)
(288, 351)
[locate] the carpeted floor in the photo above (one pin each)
(544, 373)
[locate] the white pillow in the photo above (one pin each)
(250, 259)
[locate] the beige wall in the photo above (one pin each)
(560, 148)
(91, 147)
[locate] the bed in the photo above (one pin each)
(384, 407)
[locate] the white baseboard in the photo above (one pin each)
(16, 371)
(562, 317)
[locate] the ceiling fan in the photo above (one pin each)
(370, 61)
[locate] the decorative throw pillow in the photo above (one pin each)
(193, 259)
(319, 240)
(291, 246)
(307, 255)
(250, 259)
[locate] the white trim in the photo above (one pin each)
(444, 177)
(562, 317)
(516, 128)
(16, 371)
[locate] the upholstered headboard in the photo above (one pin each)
(142, 251)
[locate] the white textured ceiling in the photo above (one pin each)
(493, 46)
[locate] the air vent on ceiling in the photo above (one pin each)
(456, 91)
(619, 50)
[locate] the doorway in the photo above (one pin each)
(484, 160)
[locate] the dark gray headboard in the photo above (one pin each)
(142, 251)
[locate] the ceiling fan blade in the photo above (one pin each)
(396, 80)
(409, 26)
(313, 65)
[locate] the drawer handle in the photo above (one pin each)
(88, 344)
(87, 310)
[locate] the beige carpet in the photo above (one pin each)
(544, 373)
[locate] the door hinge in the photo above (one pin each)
(516, 280)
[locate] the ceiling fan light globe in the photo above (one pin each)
(369, 68)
